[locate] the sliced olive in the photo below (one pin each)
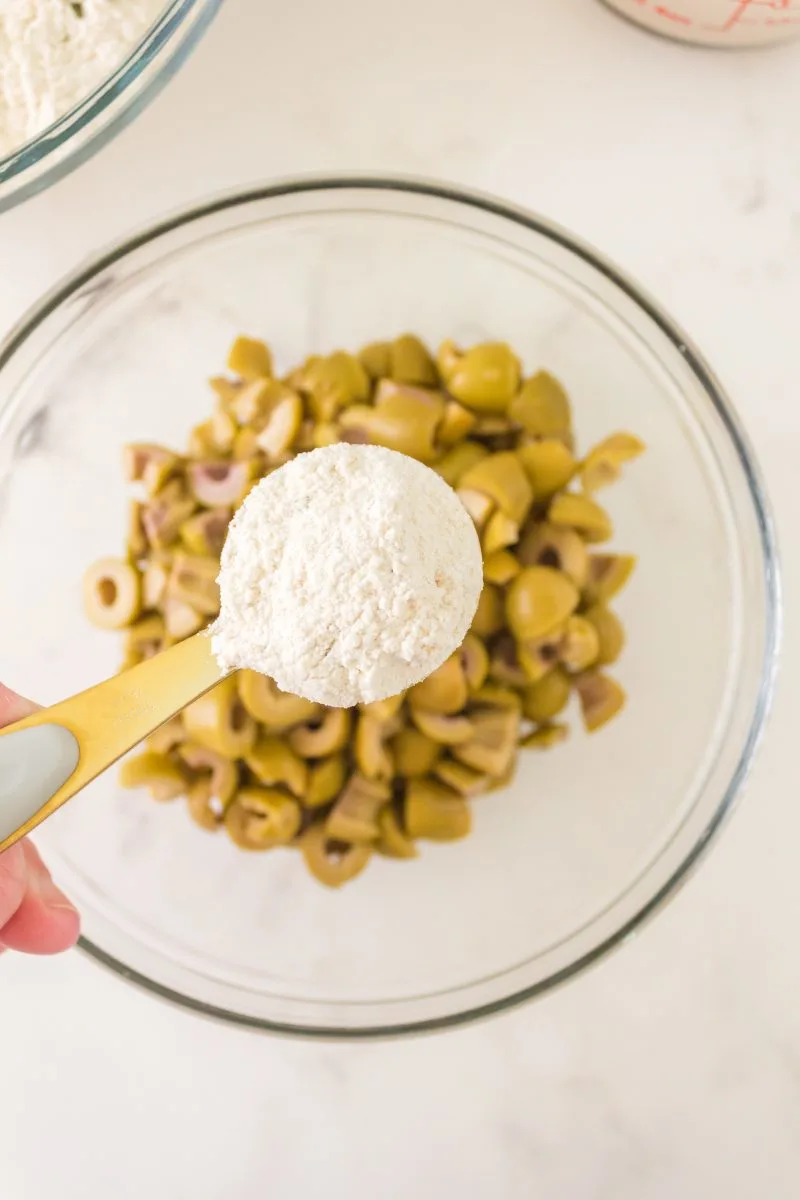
(547, 698)
(458, 461)
(504, 664)
(333, 383)
(462, 779)
(610, 633)
(402, 418)
(580, 644)
(384, 710)
(373, 757)
(205, 532)
(320, 738)
(542, 408)
(159, 773)
(455, 424)
(167, 736)
(265, 702)
(112, 593)
(493, 745)
(549, 465)
(579, 512)
(180, 618)
(376, 359)
(474, 661)
(500, 567)
(538, 656)
(501, 476)
(249, 358)
(392, 840)
(253, 401)
(410, 361)
(478, 505)
(154, 465)
(273, 763)
(557, 546)
(485, 377)
(281, 428)
(608, 574)
(354, 816)
(500, 532)
(602, 465)
(220, 773)
(136, 540)
(261, 818)
(326, 778)
(414, 752)
(193, 579)
(601, 698)
(435, 812)
(220, 721)
(493, 695)
(145, 637)
(330, 861)
(447, 731)
(538, 600)
(444, 691)
(488, 617)
(545, 736)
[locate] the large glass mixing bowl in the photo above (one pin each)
(79, 133)
(592, 837)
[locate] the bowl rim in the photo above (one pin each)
(449, 193)
(161, 50)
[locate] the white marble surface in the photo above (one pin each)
(674, 1068)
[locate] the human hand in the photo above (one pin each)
(35, 916)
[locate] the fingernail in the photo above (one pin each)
(53, 897)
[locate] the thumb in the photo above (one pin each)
(13, 882)
(13, 707)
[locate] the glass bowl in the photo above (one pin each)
(82, 131)
(592, 837)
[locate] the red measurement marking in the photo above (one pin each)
(679, 18)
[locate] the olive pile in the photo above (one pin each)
(342, 784)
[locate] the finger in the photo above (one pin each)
(14, 707)
(13, 882)
(44, 922)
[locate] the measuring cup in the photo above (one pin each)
(716, 22)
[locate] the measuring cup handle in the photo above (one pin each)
(34, 764)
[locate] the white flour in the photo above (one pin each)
(347, 575)
(54, 53)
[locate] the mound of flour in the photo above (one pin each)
(53, 53)
(347, 575)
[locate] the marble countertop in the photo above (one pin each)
(673, 1069)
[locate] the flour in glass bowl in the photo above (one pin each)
(54, 53)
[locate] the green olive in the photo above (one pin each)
(273, 762)
(545, 737)
(333, 383)
(500, 567)
(444, 691)
(330, 861)
(485, 378)
(266, 703)
(538, 600)
(602, 464)
(455, 425)
(319, 738)
(610, 633)
(354, 816)
(219, 721)
(579, 512)
(414, 752)
(410, 362)
(488, 618)
(261, 818)
(435, 812)
(376, 359)
(474, 661)
(392, 841)
(549, 465)
(557, 546)
(402, 418)
(373, 758)
(607, 575)
(547, 698)
(157, 772)
(601, 698)
(112, 593)
(501, 476)
(458, 461)
(580, 644)
(541, 407)
(493, 746)
(250, 358)
(500, 531)
(326, 778)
